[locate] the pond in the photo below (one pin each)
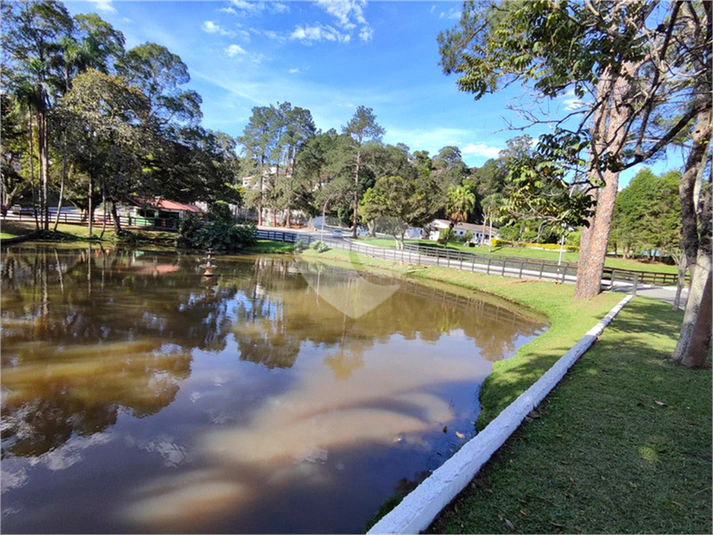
(278, 396)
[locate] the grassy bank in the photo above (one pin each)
(68, 232)
(539, 254)
(270, 247)
(623, 445)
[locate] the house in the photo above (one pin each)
(481, 233)
(157, 212)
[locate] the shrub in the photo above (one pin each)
(320, 246)
(220, 235)
(300, 245)
(446, 235)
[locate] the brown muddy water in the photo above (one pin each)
(278, 396)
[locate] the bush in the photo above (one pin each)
(320, 246)
(548, 246)
(220, 235)
(446, 235)
(300, 245)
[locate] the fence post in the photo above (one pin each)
(564, 273)
(448, 256)
(504, 264)
(542, 268)
(636, 282)
(472, 265)
(522, 266)
(611, 287)
(487, 270)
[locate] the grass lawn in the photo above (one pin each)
(67, 232)
(14, 229)
(622, 445)
(271, 247)
(540, 254)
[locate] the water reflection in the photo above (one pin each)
(205, 396)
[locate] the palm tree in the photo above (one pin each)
(460, 202)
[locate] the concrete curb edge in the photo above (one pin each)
(418, 509)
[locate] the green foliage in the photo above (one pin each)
(320, 246)
(446, 235)
(219, 234)
(300, 245)
(647, 214)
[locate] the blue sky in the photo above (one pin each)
(329, 56)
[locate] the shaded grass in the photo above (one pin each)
(69, 232)
(539, 254)
(623, 445)
(14, 229)
(270, 247)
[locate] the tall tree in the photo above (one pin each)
(105, 114)
(33, 54)
(637, 62)
(361, 128)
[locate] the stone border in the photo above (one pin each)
(418, 509)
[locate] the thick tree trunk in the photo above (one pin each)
(610, 138)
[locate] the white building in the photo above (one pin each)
(481, 233)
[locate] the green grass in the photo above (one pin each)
(604, 456)
(539, 254)
(69, 232)
(622, 445)
(270, 247)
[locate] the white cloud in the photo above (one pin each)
(234, 50)
(481, 149)
(348, 15)
(259, 58)
(228, 10)
(318, 32)
(104, 6)
(255, 8)
(452, 14)
(209, 26)
(295, 71)
(366, 34)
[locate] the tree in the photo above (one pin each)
(459, 203)
(104, 114)
(361, 128)
(637, 63)
(400, 203)
(630, 59)
(33, 60)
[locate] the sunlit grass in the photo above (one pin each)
(624, 450)
(539, 254)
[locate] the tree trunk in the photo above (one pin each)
(697, 230)
(115, 217)
(682, 265)
(43, 143)
(90, 209)
(610, 137)
(356, 195)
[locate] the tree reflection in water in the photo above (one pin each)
(91, 334)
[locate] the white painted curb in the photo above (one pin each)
(418, 509)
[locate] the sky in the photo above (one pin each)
(329, 56)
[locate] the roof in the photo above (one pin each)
(165, 204)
